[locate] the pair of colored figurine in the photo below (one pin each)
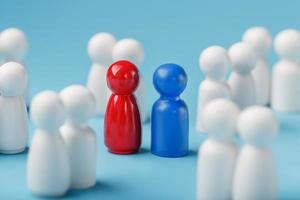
(169, 123)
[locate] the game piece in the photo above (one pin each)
(255, 172)
(79, 138)
(170, 117)
(133, 51)
(14, 46)
(243, 60)
(214, 63)
(48, 169)
(122, 124)
(13, 114)
(217, 154)
(100, 51)
(260, 40)
(286, 72)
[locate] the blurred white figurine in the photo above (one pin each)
(218, 153)
(48, 169)
(243, 60)
(286, 72)
(255, 174)
(100, 51)
(13, 114)
(260, 39)
(133, 51)
(79, 138)
(14, 47)
(214, 63)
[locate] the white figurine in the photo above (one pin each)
(14, 47)
(286, 73)
(13, 114)
(48, 169)
(133, 51)
(218, 153)
(259, 38)
(255, 173)
(100, 51)
(79, 138)
(214, 63)
(243, 60)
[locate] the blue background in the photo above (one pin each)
(58, 32)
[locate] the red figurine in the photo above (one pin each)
(122, 126)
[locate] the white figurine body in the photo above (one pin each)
(79, 138)
(243, 60)
(13, 113)
(255, 173)
(100, 51)
(133, 51)
(214, 63)
(286, 73)
(48, 169)
(218, 151)
(260, 40)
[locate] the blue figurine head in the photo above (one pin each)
(170, 80)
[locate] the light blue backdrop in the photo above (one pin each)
(58, 32)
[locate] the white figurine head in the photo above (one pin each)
(287, 45)
(257, 125)
(129, 49)
(13, 79)
(1, 54)
(260, 39)
(220, 118)
(13, 44)
(100, 48)
(79, 102)
(214, 62)
(48, 111)
(242, 57)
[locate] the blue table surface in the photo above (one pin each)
(170, 31)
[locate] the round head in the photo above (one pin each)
(129, 49)
(260, 39)
(122, 77)
(170, 80)
(242, 57)
(13, 44)
(48, 111)
(79, 103)
(257, 125)
(214, 62)
(287, 45)
(13, 79)
(220, 118)
(100, 48)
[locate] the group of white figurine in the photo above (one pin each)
(224, 108)
(62, 154)
(63, 149)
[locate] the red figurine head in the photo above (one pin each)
(122, 77)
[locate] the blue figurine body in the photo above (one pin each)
(170, 118)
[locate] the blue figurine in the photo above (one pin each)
(170, 117)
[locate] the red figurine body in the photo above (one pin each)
(122, 126)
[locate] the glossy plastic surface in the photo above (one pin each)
(169, 122)
(122, 126)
